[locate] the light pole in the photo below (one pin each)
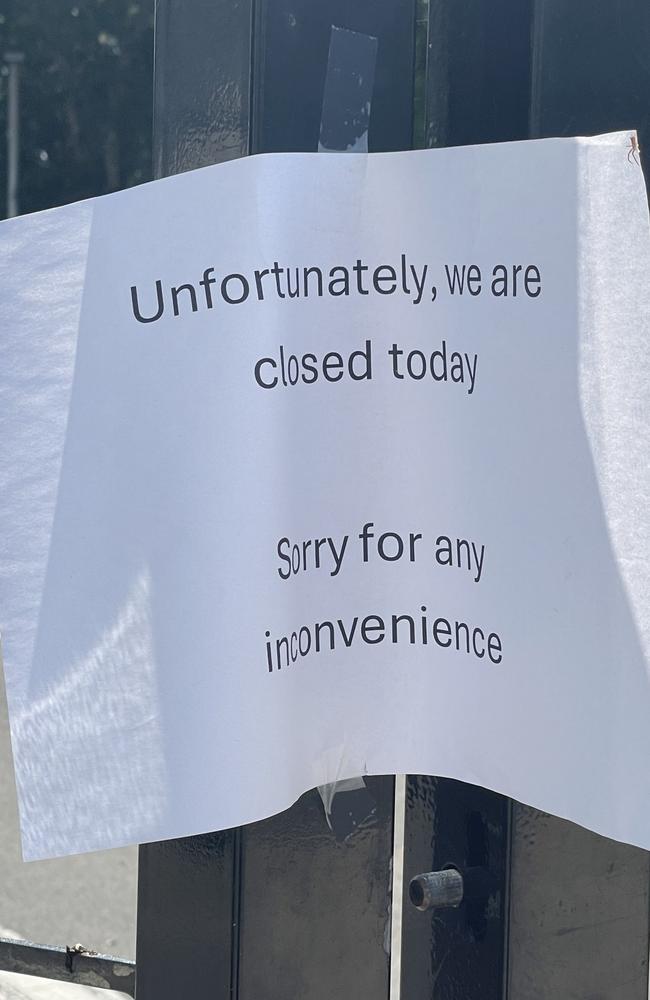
(13, 61)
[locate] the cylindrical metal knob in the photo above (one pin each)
(437, 890)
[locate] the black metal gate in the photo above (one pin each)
(310, 905)
(285, 907)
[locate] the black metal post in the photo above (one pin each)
(287, 907)
(476, 89)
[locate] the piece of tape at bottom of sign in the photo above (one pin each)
(345, 120)
(348, 804)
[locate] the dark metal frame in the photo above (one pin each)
(286, 907)
(243, 913)
(256, 912)
(246, 76)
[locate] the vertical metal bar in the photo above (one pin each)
(186, 894)
(397, 890)
(477, 89)
(13, 61)
(316, 910)
(236, 921)
(458, 952)
(202, 83)
(283, 907)
(478, 71)
(189, 889)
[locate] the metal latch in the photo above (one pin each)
(449, 887)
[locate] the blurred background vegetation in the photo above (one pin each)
(85, 97)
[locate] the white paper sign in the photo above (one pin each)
(323, 466)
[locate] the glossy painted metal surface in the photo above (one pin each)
(201, 83)
(590, 67)
(187, 931)
(477, 72)
(316, 910)
(579, 913)
(455, 953)
(278, 908)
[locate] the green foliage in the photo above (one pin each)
(86, 96)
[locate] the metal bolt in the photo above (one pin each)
(437, 890)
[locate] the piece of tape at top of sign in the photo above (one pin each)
(345, 120)
(347, 96)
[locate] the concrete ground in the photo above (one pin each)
(30, 988)
(90, 899)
